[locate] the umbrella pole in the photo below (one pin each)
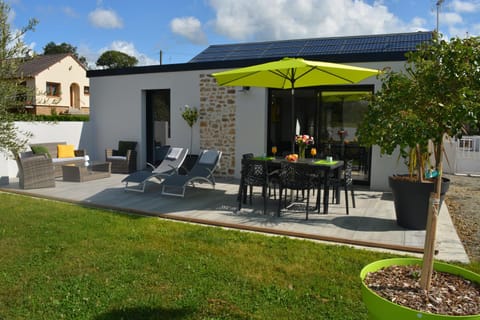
(293, 120)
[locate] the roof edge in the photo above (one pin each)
(209, 65)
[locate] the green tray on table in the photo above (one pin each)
(323, 161)
(264, 158)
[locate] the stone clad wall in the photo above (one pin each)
(217, 122)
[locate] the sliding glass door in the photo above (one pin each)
(329, 114)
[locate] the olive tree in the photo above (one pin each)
(13, 91)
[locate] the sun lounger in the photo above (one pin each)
(170, 165)
(202, 171)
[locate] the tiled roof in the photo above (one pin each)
(37, 64)
(365, 48)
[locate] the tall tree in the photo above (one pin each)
(437, 96)
(53, 48)
(12, 87)
(115, 59)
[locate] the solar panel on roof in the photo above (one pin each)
(371, 44)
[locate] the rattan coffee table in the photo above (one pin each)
(81, 173)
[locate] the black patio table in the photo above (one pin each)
(324, 169)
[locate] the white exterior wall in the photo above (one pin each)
(118, 109)
(65, 72)
(251, 124)
(110, 111)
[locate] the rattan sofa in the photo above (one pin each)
(35, 171)
(59, 162)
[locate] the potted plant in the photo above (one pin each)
(436, 97)
(190, 115)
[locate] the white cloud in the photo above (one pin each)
(451, 18)
(465, 6)
(281, 19)
(475, 30)
(69, 11)
(128, 48)
(107, 19)
(190, 28)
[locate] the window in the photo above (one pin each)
(330, 114)
(53, 89)
(86, 90)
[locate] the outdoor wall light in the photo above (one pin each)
(245, 89)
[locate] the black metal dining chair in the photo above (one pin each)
(345, 182)
(254, 174)
(297, 177)
(243, 193)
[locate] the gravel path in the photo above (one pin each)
(463, 200)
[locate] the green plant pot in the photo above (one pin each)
(380, 308)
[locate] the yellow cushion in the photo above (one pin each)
(65, 151)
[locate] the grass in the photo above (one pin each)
(60, 260)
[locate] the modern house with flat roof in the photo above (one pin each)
(144, 104)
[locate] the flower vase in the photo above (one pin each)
(301, 151)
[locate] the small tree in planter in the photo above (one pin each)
(190, 115)
(437, 96)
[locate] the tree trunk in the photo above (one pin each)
(433, 212)
(420, 164)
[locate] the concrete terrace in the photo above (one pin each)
(370, 225)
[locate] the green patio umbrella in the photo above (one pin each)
(291, 73)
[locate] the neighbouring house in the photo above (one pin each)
(144, 104)
(60, 84)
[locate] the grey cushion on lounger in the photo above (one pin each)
(174, 153)
(209, 157)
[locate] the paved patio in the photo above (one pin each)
(370, 225)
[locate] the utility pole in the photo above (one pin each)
(439, 3)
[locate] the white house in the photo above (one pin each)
(144, 103)
(60, 83)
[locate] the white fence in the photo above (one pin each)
(468, 155)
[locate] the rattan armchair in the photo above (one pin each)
(35, 171)
(123, 159)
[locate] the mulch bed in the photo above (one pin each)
(448, 295)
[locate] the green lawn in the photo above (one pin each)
(61, 260)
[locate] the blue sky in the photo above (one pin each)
(183, 28)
